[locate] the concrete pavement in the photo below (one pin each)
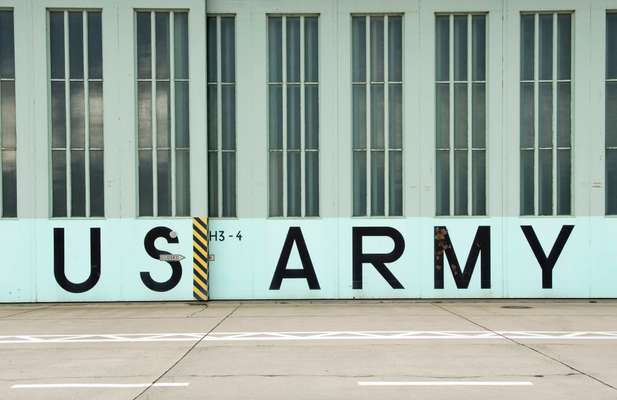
(310, 350)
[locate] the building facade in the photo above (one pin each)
(338, 148)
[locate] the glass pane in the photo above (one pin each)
(359, 183)
(460, 48)
(460, 116)
(181, 45)
(229, 184)
(183, 183)
(56, 44)
(442, 112)
(564, 46)
(479, 48)
(311, 114)
(563, 114)
(162, 45)
(144, 50)
(211, 49)
(275, 48)
(377, 183)
(58, 115)
(359, 116)
(442, 175)
(78, 122)
(395, 49)
(182, 114)
(293, 117)
(212, 118)
(546, 46)
(377, 49)
(145, 183)
(395, 182)
(545, 115)
(275, 184)
(527, 47)
(163, 182)
(611, 182)
(564, 186)
(377, 116)
(97, 184)
(7, 45)
(228, 50)
(395, 116)
(460, 182)
(611, 46)
(7, 114)
(358, 50)
(163, 131)
(478, 182)
(275, 118)
(293, 49)
(546, 182)
(78, 184)
(294, 183)
(527, 115)
(9, 184)
(229, 117)
(95, 110)
(76, 45)
(213, 186)
(95, 46)
(58, 165)
(478, 115)
(144, 114)
(312, 184)
(442, 53)
(311, 49)
(611, 114)
(527, 182)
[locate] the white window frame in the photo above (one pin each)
(2, 146)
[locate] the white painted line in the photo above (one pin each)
(304, 336)
(97, 385)
(448, 383)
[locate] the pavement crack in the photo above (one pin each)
(186, 353)
(204, 308)
(25, 312)
(528, 347)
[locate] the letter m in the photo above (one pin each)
(481, 245)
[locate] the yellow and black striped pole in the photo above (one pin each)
(201, 289)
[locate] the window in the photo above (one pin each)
(8, 167)
(611, 114)
(163, 113)
(221, 116)
(545, 114)
(293, 116)
(377, 115)
(460, 111)
(76, 88)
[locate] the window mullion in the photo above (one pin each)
(386, 119)
(172, 112)
(219, 113)
(469, 117)
(284, 107)
(67, 112)
(451, 146)
(536, 105)
(302, 122)
(369, 145)
(86, 113)
(554, 119)
(155, 200)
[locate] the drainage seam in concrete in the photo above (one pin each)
(186, 353)
(528, 348)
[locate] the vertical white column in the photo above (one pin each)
(86, 114)
(172, 112)
(554, 121)
(67, 107)
(536, 166)
(451, 146)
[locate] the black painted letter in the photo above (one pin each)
(378, 260)
(307, 272)
(95, 262)
(547, 264)
(481, 244)
(176, 267)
